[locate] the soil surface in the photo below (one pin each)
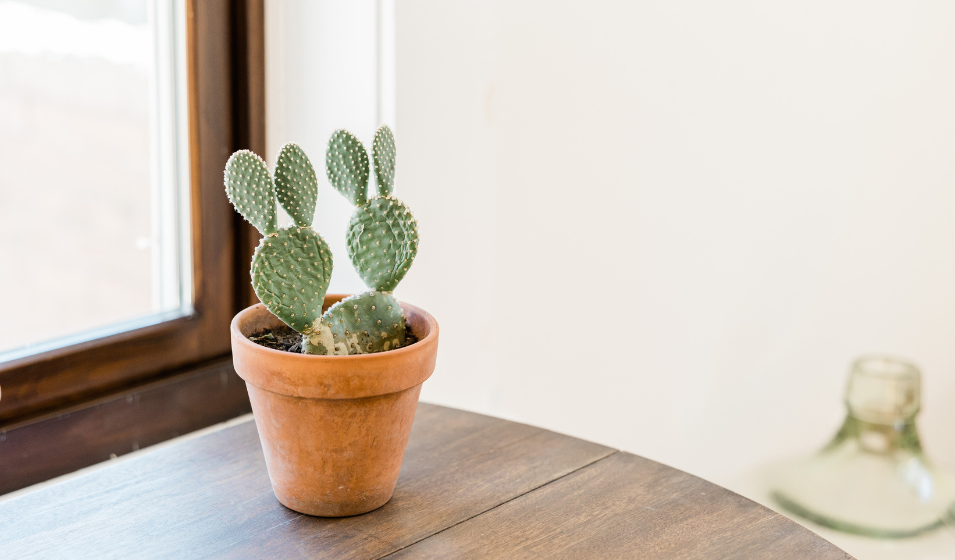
(286, 339)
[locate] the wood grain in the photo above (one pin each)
(214, 278)
(64, 377)
(43, 448)
(211, 496)
(627, 507)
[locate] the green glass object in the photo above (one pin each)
(873, 478)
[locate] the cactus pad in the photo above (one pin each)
(296, 184)
(290, 274)
(346, 163)
(250, 189)
(361, 324)
(383, 152)
(382, 242)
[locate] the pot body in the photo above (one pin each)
(333, 428)
(334, 457)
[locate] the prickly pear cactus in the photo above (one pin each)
(346, 164)
(383, 152)
(361, 324)
(290, 273)
(382, 243)
(251, 190)
(382, 233)
(296, 184)
(291, 266)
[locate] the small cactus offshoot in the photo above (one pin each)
(291, 266)
(360, 324)
(382, 243)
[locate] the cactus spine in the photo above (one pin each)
(291, 266)
(382, 243)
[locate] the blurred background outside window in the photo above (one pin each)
(94, 167)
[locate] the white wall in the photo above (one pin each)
(322, 74)
(664, 226)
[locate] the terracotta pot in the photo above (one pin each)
(334, 428)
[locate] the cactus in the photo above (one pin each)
(382, 233)
(383, 150)
(250, 190)
(382, 243)
(346, 163)
(291, 266)
(361, 324)
(296, 184)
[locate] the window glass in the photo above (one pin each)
(92, 169)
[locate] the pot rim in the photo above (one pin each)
(244, 340)
(333, 377)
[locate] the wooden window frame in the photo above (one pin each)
(226, 89)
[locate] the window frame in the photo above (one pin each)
(226, 107)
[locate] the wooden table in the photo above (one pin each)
(471, 486)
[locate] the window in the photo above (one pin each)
(149, 98)
(94, 144)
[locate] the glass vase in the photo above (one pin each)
(873, 478)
